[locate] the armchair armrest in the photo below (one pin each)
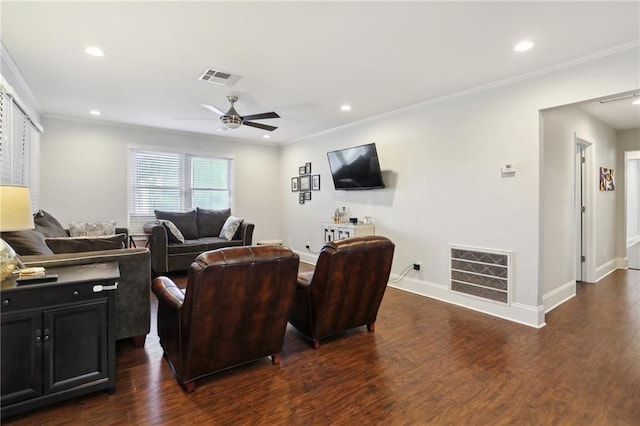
(246, 233)
(167, 292)
(158, 245)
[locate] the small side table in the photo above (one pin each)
(273, 242)
(133, 237)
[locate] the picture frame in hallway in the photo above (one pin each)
(295, 182)
(301, 198)
(607, 182)
(307, 196)
(307, 169)
(302, 170)
(305, 183)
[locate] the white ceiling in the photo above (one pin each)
(300, 59)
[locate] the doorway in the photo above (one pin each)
(584, 261)
(632, 203)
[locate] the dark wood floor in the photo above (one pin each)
(427, 363)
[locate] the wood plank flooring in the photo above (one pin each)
(428, 362)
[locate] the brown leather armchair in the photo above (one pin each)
(345, 289)
(234, 310)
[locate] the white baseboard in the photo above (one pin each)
(633, 240)
(604, 270)
(557, 297)
(531, 316)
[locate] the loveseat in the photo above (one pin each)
(50, 245)
(177, 238)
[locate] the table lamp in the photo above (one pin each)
(15, 215)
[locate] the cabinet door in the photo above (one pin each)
(75, 345)
(21, 359)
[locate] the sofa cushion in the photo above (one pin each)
(230, 227)
(48, 225)
(95, 229)
(210, 222)
(189, 246)
(173, 233)
(81, 244)
(27, 242)
(185, 222)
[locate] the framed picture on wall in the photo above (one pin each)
(315, 183)
(302, 170)
(606, 179)
(301, 198)
(305, 183)
(307, 168)
(307, 196)
(294, 184)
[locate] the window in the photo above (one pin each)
(175, 182)
(19, 146)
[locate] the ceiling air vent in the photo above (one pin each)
(219, 77)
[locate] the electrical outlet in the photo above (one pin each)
(416, 266)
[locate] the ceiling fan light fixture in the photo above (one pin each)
(231, 122)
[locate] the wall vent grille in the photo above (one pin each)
(481, 273)
(219, 77)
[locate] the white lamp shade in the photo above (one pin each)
(15, 208)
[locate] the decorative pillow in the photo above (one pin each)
(230, 227)
(26, 242)
(210, 222)
(185, 222)
(48, 225)
(80, 244)
(173, 233)
(96, 229)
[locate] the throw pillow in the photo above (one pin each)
(96, 229)
(48, 225)
(185, 222)
(81, 244)
(173, 233)
(26, 242)
(230, 227)
(210, 222)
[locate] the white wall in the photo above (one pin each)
(84, 171)
(443, 164)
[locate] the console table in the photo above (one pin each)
(58, 337)
(338, 231)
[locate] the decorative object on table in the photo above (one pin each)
(307, 196)
(307, 168)
(607, 182)
(305, 183)
(15, 215)
(315, 183)
(301, 198)
(302, 170)
(295, 182)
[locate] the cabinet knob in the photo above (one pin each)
(75, 292)
(6, 302)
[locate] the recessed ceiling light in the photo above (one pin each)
(524, 45)
(636, 102)
(266, 136)
(95, 112)
(94, 51)
(345, 107)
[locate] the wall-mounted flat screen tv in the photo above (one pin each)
(356, 168)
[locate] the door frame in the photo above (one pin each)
(583, 195)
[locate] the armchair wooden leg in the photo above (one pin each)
(371, 326)
(275, 359)
(315, 343)
(189, 386)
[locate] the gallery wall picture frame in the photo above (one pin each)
(295, 184)
(302, 170)
(307, 196)
(307, 168)
(315, 183)
(301, 198)
(607, 181)
(305, 183)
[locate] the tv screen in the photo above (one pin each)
(356, 168)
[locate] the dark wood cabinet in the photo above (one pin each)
(58, 338)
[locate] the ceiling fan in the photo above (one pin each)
(232, 120)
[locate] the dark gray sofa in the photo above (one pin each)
(201, 229)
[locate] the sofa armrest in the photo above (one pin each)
(158, 244)
(246, 233)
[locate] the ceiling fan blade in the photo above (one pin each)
(214, 109)
(259, 125)
(261, 116)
